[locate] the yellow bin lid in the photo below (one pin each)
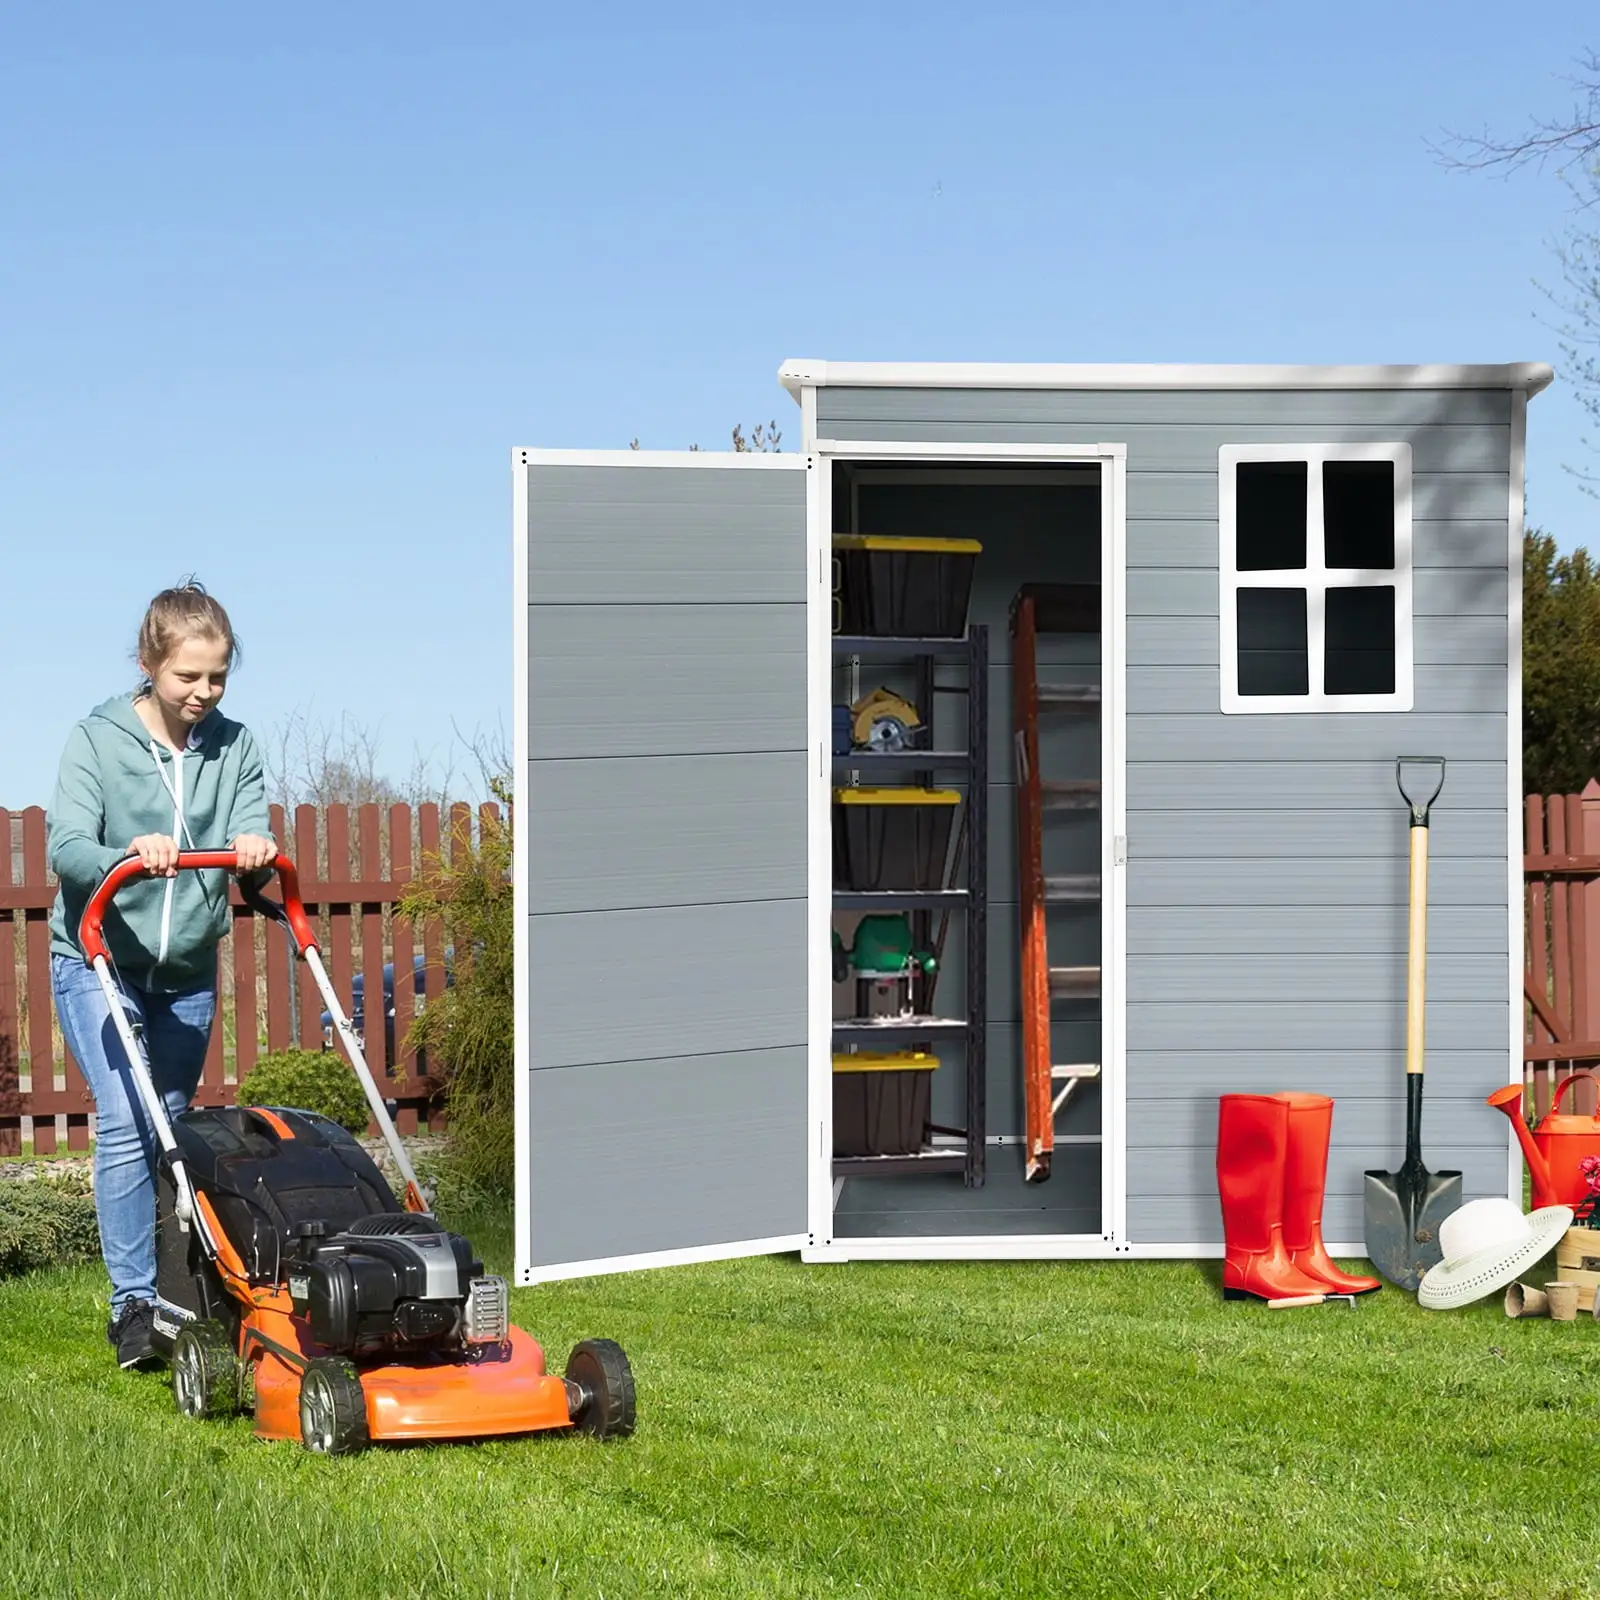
(885, 1061)
(872, 541)
(904, 796)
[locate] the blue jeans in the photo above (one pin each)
(176, 1030)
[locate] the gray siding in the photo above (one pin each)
(666, 834)
(1267, 872)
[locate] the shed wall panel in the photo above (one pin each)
(1267, 872)
(605, 539)
(667, 981)
(1200, 1074)
(666, 680)
(1182, 690)
(887, 412)
(667, 830)
(1373, 1121)
(674, 1184)
(1155, 1218)
(1320, 785)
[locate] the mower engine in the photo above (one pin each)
(395, 1283)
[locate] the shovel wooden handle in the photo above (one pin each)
(1417, 971)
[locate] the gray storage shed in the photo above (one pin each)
(1300, 574)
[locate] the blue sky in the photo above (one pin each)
(280, 289)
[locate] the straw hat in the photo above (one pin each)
(1486, 1244)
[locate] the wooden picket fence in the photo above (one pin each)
(354, 864)
(1561, 986)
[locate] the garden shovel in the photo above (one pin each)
(1404, 1208)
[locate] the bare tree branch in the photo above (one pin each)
(1578, 135)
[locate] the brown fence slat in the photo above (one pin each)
(369, 849)
(211, 1073)
(246, 992)
(1537, 953)
(308, 996)
(336, 822)
(276, 950)
(41, 1003)
(401, 941)
(10, 1081)
(432, 931)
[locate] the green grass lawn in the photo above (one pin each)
(883, 1430)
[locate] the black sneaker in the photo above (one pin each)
(130, 1333)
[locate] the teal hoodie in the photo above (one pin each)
(115, 783)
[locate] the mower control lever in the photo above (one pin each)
(91, 928)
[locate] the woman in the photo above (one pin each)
(146, 774)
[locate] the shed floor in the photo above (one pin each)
(919, 1208)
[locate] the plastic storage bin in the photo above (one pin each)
(891, 838)
(880, 1102)
(905, 588)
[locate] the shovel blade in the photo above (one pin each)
(1403, 1213)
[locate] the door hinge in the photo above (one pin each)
(1119, 850)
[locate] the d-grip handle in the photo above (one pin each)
(1419, 808)
(91, 928)
(1561, 1089)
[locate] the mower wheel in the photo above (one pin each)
(601, 1371)
(205, 1371)
(333, 1409)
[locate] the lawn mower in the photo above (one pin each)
(291, 1282)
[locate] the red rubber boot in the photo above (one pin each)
(1252, 1146)
(1304, 1182)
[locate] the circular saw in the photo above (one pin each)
(884, 722)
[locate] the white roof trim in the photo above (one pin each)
(1531, 376)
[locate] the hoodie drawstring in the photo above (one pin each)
(180, 829)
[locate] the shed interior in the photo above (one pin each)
(1036, 524)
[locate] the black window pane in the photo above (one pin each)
(1359, 641)
(1270, 515)
(1273, 655)
(1358, 513)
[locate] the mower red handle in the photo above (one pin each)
(93, 941)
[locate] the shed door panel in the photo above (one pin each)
(664, 950)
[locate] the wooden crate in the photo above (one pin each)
(1579, 1246)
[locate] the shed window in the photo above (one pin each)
(1315, 569)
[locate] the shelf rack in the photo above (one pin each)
(971, 654)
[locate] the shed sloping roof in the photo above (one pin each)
(1531, 376)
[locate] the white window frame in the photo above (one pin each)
(1314, 577)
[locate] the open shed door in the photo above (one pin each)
(661, 858)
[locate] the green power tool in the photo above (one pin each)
(884, 962)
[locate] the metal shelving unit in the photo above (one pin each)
(968, 899)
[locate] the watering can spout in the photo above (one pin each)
(1509, 1100)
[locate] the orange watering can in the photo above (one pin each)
(1555, 1149)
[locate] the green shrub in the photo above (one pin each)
(308, 1080)
(46, 1222)
(469, 1029)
